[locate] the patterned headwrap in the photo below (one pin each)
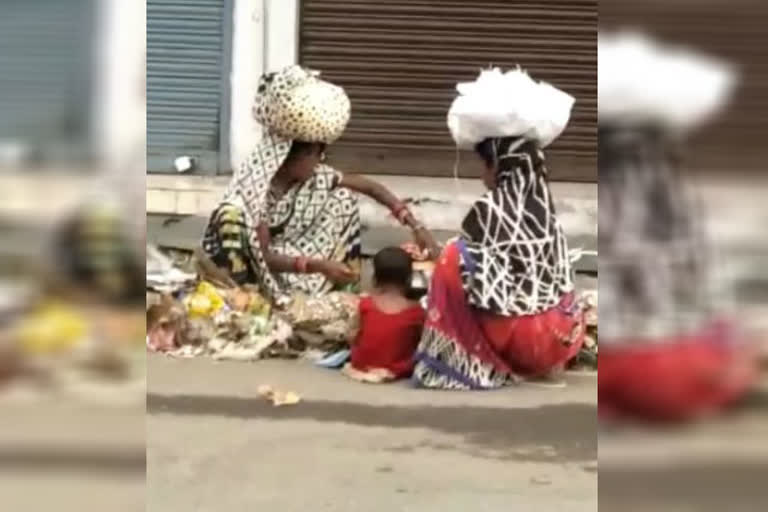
(515, 259)
(293, 104)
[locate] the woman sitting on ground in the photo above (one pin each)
(501, 302)
(288, 222)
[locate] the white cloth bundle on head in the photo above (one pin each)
(643, 82)
(509, 104)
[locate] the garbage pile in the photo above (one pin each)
(51, 346)
(194, 309)
(204, 313)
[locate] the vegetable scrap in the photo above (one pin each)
(278, 398)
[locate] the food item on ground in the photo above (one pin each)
(278, 398)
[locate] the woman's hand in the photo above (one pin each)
(338, 273)
(426, 242)
(383, 196)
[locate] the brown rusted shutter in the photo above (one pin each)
(736, 30)
(400, 60)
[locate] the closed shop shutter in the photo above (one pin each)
(186, 105)
(736, 30)
(46, 63)
(400, 60)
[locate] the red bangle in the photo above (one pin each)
(401, 211)
(300, 264)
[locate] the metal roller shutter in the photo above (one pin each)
(400, 60)
(736, 31)
(186, 46)
(46, 64)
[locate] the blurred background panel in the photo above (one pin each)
(72, 379)
(718, 462)
(46, 85)
(730, 29)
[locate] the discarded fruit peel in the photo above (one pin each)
(278, 398)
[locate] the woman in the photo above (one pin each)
(501, 302)
(288, 222)
(666, 354)
(666, 351)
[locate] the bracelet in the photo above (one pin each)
(400, 212)
(300, 264)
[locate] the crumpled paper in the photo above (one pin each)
(161, 274)
(330, 318)
(278, 398)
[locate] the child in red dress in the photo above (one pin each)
(390, 322)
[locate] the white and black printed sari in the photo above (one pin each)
(516, 258)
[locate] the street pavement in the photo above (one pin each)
(214, 445)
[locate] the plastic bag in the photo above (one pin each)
(508, 104)
(205, 301)
(53, 328)
(641, 81)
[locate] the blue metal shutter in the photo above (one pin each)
(46, 63)
(186, 46)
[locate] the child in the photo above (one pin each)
(390, 323)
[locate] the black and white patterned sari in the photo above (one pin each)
(516, 262)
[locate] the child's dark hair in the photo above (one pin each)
(393, 266)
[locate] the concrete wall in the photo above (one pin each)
(265, 39)
(441, 204)
(119, 102)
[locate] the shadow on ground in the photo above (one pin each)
(552, 433)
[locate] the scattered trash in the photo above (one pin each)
(164, 322)
(206, 314)
(205, 301)
(163, 276)
(330, 322)
(235, 352)
(52, 328)
(278, 398)
(184, 164)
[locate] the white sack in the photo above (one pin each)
(641, 81)
(508, 105)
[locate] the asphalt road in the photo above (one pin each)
(214, 445)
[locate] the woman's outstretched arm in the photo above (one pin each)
(385, 197)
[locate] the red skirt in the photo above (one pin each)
(674, 379)
(459, 339)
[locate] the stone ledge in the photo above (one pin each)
(178, 207)
(440, 202)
